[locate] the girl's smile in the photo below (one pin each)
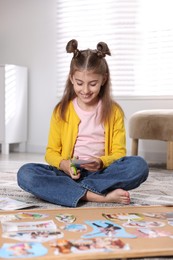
(87, 87)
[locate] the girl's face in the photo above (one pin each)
(87, 87)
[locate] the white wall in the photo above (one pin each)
(27, 38)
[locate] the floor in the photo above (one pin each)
(15, 160)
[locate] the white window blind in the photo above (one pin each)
(139, 34)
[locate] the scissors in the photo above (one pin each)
(73, 167)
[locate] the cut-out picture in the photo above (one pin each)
(8, 217)
(106, 228)
(170, 222)
(31, 215)
(123, 216)
(22, 250)
(62, 246)
(97, 244)
(151, 233)
(27, 226)
(12, 204)
(75, 227)
(159, 215)
(148, 224)
(34, 236)
(65, 218)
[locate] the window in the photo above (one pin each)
(139, 34)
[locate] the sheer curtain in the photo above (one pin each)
(139, 34)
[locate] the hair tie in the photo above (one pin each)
(100, 54)
(76, 53)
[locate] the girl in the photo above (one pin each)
(86, 124)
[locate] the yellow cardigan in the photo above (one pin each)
(62, 137)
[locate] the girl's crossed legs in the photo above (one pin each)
(109, 185)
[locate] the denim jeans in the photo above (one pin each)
(55, 186)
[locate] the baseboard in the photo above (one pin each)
(30, 148)
(151, 157)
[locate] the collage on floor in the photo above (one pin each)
(87, 233)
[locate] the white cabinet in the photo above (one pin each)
(13, 106)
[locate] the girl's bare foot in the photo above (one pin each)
(117, 196)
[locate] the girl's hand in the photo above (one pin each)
(94, 166)
(70, 170)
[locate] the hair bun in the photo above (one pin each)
(72, 47)
(103, 49)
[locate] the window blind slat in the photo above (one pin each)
(141, 43)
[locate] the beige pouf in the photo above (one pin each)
(156, 124)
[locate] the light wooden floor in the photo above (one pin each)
(15, 160)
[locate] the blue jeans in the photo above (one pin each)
(55, 186)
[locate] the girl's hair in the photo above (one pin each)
(93, 60)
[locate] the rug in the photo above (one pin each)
(157, 190)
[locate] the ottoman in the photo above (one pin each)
(155, 124)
